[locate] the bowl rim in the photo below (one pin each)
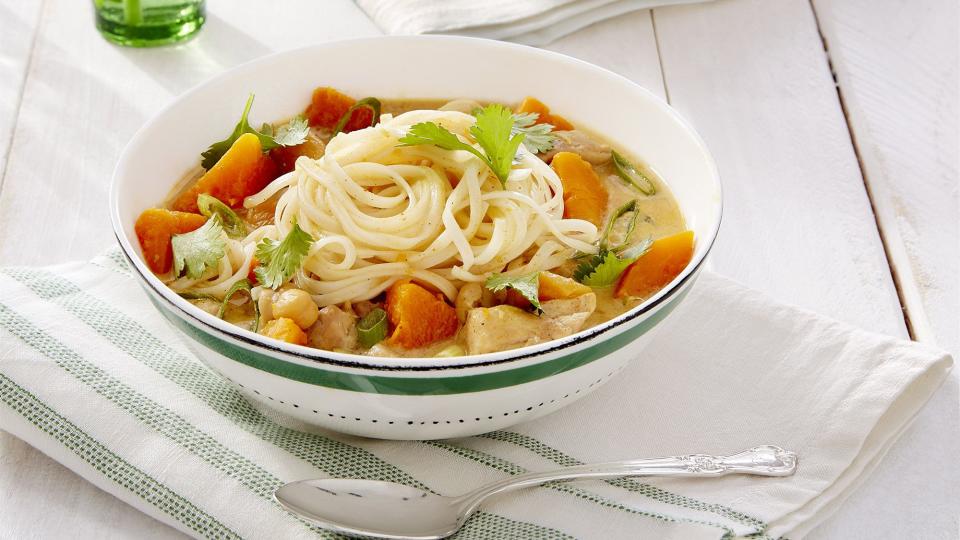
(209, 323)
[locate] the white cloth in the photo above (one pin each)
(531, 22)
(92, 376)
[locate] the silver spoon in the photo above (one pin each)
(388, 510)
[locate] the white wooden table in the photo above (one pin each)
(834, 123)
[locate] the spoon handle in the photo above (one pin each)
(759, 460)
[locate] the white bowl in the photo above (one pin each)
(422, 398)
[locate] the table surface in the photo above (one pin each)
(834, 124)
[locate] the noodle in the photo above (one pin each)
(380, 212)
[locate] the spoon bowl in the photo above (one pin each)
(373, 508)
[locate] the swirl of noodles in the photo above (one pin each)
(380, 212)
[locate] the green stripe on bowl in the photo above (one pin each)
(417, 386)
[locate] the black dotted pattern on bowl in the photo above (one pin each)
(277, 401)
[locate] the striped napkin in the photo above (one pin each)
(531, 22)
(92, 376)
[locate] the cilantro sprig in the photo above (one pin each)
(291, 134)
(539, 138)
(493, 132)
(198, 250)
(280, 259)
(528, 285)
(604, 268)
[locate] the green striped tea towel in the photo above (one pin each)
(92, 376)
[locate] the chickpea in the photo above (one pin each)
(265, 303)
(295, 304)
(468, 298)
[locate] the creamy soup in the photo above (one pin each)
(416, 228)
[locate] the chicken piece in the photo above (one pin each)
(361, 308)
(461, 105)
(469, 297)
(334, 329)
(506, 327)
(579, 143)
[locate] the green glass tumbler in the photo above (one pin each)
(148, 23)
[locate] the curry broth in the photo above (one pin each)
(660, 216)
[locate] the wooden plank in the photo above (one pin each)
(16, 41)
(797, 223)
(625, 45)
(764, 100)
(897, 66)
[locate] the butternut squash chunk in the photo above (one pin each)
(667, 257)
(556, 287)
(418, 317)
(155, 227)
(286, 330)
(241, 172)
(584, 195)
(327, 105)
(534, 105)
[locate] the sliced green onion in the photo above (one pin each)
(629, 206)
(638, 250)
(631, 175)
(242, 285)
(187, 295)
(232, 224)
(372, 328)
(371, 103)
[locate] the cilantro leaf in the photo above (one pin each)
(232, 224)
(607, 271)
(604, 268)
(280, 259)
(291, 137)
(293, 132)
(539, 137)
(437, 135)
(528, 285)
(198, 250)
(493, 131)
